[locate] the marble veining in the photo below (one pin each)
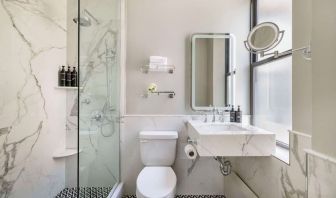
(321, 177)
(282, 180)
(36, 31)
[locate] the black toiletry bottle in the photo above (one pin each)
(62, 77)
(238, 115)
(232, 115)
(68, 77)
(74, 77)
(59, 76)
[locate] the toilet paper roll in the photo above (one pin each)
(190, 151)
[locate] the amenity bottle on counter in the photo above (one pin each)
(238, 115)
(62, 77)
(68, 77)
(232, 115)
(74, 79)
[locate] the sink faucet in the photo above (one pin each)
(214, 112)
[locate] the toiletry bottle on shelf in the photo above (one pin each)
(59, 76)
(232, 115)
(68, 77)
(238, 115)
(62, 77)
(74, 78)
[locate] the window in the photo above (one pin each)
(272, 78)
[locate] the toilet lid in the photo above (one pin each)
(156, 181)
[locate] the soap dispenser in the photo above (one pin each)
(62, 77)
(232, 115)
(74, 77)
(59, 76)
(68, 77)
(238, 115)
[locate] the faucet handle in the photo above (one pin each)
(205, 116)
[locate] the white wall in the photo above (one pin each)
(324, 79)
(159, 27)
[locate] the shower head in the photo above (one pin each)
(86, 19)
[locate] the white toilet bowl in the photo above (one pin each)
(156, 182)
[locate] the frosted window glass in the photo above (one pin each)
(280, 13)
(273, 97)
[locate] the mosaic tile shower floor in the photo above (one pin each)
(103, 192)
(186, 196)
(85, 192)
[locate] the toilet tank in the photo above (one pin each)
(158, 148)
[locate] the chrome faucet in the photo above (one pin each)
(214, 112)
(205, 117)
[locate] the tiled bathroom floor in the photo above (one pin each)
(87, 192)
(103, 192)
(186, 196)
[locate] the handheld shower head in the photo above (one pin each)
(85, 20)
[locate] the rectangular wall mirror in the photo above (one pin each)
(213, 71)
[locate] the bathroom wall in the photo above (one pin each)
(32, 118)
(159, 27)
(324, 81)
(322, 158)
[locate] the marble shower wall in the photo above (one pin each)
(270, 177)
(32, 111)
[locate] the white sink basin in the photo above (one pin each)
(231, 139)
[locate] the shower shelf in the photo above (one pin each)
(158, 68)
(65, 152)
(171, 94)
(68, 88)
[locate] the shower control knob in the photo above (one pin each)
(86, 101)
(98, 117)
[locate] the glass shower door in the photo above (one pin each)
(99, 78)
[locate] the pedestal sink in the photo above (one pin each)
(230, 139)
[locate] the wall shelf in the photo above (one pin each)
(65, 152)
(171, 94)
(68, 88)
(158, 68)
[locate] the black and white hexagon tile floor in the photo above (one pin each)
(103, 192)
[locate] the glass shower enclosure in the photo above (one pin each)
(98, 97)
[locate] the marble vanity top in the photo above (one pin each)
(230, 139)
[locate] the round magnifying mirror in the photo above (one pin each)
(263, 37)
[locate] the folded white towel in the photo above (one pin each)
(158, 60)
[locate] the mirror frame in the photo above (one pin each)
(269, 46)
(193, 65)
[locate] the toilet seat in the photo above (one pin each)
(156, 182)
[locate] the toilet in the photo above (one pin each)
(158, 150)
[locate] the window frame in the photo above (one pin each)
(254, 63)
